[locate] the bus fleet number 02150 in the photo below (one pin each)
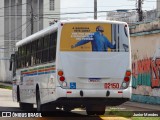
(111, 85)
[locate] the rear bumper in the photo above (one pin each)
(80, 93)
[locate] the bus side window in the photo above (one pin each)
(45, 49)
(18, 58)
(33, 52)
(28, 55)
(39, 51)
(23, 57)
(52, 49)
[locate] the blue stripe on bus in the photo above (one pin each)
(40, 73)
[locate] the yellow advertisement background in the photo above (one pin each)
(66, 41)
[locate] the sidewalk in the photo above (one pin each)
(143, 105)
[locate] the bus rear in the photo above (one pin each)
(94, 64)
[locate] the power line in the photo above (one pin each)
(13, 5)
(22, 31)
(14, 29)
(13, 15)
(16, 37)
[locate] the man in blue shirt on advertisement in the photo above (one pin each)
(98, 41)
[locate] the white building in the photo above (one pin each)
(158, 8)
(16, 21)
(18, 16)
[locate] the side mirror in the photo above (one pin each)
(10, 66)
(12, 59)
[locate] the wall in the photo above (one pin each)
(145, 28)
(2, 61)
(50, 15)
(145, 44)
(158, 8)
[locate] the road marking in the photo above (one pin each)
(113, 118)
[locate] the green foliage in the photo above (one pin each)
(6, 87)
(145, 118)
(127, 114)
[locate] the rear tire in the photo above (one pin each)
(38, 101)
(18, 94)
(95, 109)
(67, 108)
(25, 106)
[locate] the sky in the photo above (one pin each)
(70, 6)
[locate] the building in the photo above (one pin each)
(19, 19)
(158, 8)
(131, 16)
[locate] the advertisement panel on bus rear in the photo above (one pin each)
(86, 37)
(103, 37)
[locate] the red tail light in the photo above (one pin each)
(128, 73)
(62, 78)
(127, 76)
(126, 79)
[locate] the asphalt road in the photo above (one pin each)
(7, 104)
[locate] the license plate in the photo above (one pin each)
(111, 85)
(94, 79)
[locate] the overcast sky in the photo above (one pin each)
(68, 6)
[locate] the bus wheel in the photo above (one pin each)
(18, 94)
(25, 106)
(67, 109)
(95, 110)
(38, 101)
(100, 110)
(90, 110)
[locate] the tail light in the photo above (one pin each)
(127, 76)
(60, 73)
(128, 73)
(126, 79)
(62, 78)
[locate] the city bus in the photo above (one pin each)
(74, 64)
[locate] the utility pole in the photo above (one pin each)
(32, 18)
(95, 9)
(140, 12)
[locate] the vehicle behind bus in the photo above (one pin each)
(91, 67)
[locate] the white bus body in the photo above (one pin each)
(80, 74)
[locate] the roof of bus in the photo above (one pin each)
(91, 21)
(37, 35)
(54, 27)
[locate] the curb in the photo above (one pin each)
(143, 105)
(6, 83)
